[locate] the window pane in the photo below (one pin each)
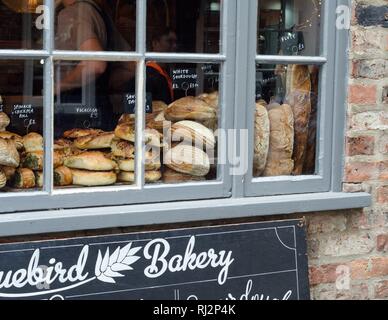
(184, 26)
(89, 25)
(20, 26)
(21, 141)
(286, 120)
(185, 114)
(289, 27)
(91, 97)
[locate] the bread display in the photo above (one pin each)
(281, 143)
(9, 156)
(188, 160)
(190, 108)
(79, 133)
(90, 160)
(149, 176)
(298, 96)
(13, 137)
(4, 121)
(95, 141)
(122, 148)
(33, 142)
(24, 179)
(92, 178)
(63, 176)
(171, 176)
(262, 138)
(39, 181)
(193, 133)
(3, 179)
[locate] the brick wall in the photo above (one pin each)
(353, 245)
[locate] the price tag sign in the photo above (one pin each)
(24, 117)
(130, 103)
(185, 79)
(292, 43)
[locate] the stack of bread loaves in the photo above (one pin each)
(191, 141)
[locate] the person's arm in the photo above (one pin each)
(85, 70)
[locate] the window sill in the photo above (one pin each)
(26, 223)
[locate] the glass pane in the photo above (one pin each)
(184, 116)
(289, 27)
(91, 97)
(21, 117)
(286, 120)
(21, 24)
(184, 26)
(91, 25)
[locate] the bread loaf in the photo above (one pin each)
(189, 108)
(281, 143)
(188, 160)
(63, 176)
(90, 160)
(33, 142)
(171, 176)
(262, 131)
(4, 121)
(149, 176)
(298, 96)
(9, 156)
(93, 179)
(194, 134)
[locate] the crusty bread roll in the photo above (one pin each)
(95, 141)
(4, 121)
(189, 108)
(128, 165)
(93, 179)
(9, 156)
(188, 160)
(63, 176)
(281, 144)
(122, 148)
(262, 130)
(78, 133)
(171, 176)
(39, 181)
(9, 172)
(35, 160)
(126, 131)
(24, 179)
(14, 137)
(90, 160)
(33, 142)
(149, 176)
(298, 96)
(3, 179)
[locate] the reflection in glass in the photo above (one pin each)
(20, 24)
(289, 27)
(21, 117)
(286, 120)
(183, 26)
(96, 25)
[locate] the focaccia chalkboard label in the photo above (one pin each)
(130, 103)
(259, 261)
(184, 79)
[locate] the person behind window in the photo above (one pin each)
(159, 82)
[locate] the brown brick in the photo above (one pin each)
(362, 94)
(371, 69)
(379, 267)
(382, 243)
(383, 170)
(382, 195)
(323, 274)
(361, 171)
(359, 269)
(363, 145)
(381, 290)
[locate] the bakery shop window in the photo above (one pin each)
(21, 24)
(289, 27)
(21, 116)
(184, 26)
(95, 25)
(285, 120)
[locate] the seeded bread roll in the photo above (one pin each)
(281, 144)
(150, 176)
(63, 176)
(171, 176)
(93, 179)
(4, 121)
(122, 148)
(95, 141)
(24, 179)
(90, 160)
(126, 131)
(78, 133)
(9, 156)
(128, 165)
(13, 137)
(33, 142)
(262, 130)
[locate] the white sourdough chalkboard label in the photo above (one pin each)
(185, 79)
(261, 261)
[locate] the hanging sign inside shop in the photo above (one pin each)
(211, 75)
(77, 115)
(260, 261)
(185, 79)
(25, 117)
(130, 103)
(292, 43)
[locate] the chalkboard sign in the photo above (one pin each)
(184, 79)
(130, 103)
(292, 43)
(260, 261)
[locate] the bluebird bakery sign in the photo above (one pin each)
(265, 261)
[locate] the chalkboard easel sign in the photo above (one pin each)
(259, 261)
